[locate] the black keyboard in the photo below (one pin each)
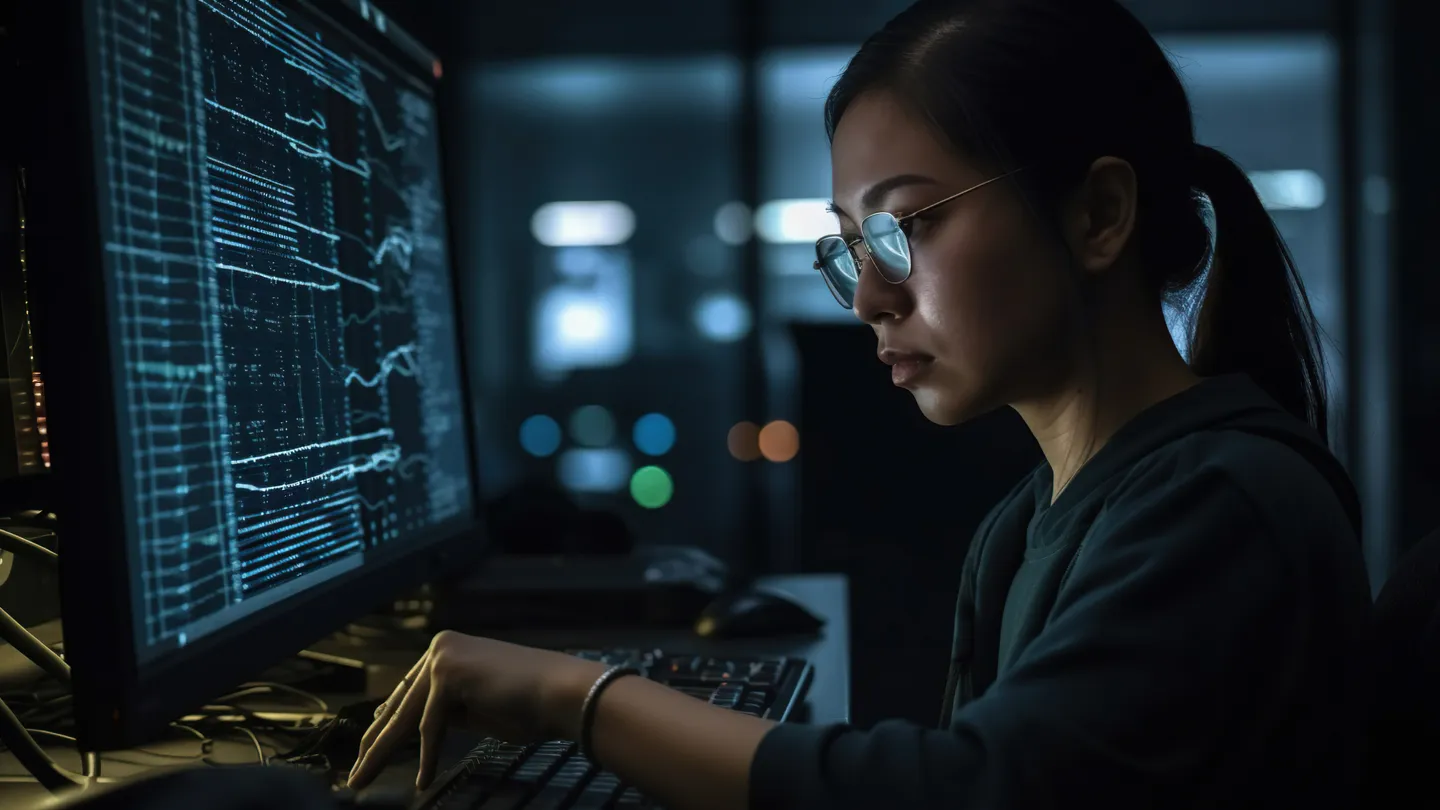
(554, 776)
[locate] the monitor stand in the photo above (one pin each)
(370, 656)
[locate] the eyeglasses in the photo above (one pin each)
(887, 245)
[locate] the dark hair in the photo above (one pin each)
(1058, 83)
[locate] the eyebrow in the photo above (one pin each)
(874, 195)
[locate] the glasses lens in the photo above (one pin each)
(889, 249)
(837, 265)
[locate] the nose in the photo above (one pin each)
(877, 300)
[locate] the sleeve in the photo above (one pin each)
(1168, 649)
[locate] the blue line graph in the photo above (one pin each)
(275, 238)
(277, 279)
(398, 242)
(400, 360)
(359, 167)
(316, 120)
(386, 433)
(382, 460)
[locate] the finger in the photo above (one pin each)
(382, 715)
(401, 723)
(387, 709)
(432, 730)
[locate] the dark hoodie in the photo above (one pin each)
(1183, 627)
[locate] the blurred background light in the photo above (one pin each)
(578, 224)
(1289, 190)
(779, 441)
(654, 434)
(793, 222)
(734, 223)
(540, 436)
(580, 262)
(593, 470)
(743, 441)
(592, 426)
(651, 487)
(722, 317)
(578, 328)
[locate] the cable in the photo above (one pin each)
(93, 761)
(24, 546)
(15, 634)
(34, 759)
(36, 517)
(261, 687)
(146, 751)
(197, 733)
(259, 749)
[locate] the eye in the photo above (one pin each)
(917, 225)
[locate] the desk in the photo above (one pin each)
(827, 701)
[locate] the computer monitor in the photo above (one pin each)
(257, 386)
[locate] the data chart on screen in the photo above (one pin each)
(281, 307)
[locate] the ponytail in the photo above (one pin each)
(1255, 317)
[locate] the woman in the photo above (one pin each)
(1169, 612)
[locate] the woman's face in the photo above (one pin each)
(980, 322)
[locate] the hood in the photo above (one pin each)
(1229, 402)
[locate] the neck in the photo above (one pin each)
(1128, 368)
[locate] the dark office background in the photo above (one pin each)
(638, 183)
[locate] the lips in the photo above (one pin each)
(906, 367)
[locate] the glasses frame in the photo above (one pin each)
(900, 221)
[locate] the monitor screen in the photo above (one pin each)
(281, 310)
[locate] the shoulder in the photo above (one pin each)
(1248, 482)
(1268, 472)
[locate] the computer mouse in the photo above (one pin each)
(755, 613)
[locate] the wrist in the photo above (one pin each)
(564, 694)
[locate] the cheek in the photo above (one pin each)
(991, 302)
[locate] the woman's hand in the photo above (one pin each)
(518, 694)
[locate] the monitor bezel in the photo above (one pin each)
(118, 701)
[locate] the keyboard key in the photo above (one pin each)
(765, 673)
(630, 800)
(727, 696)
(600, 791)
(509, 796)
(555, 796)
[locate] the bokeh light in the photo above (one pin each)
(779, 441)
(592, 426)
(582, 469)
(722, 317)
(654, 434)
(540, 435)
(651, 487)
(743, 441)
(734, 223)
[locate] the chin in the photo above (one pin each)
(948, 407)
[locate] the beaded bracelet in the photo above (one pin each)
(587, 709)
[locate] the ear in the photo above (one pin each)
(1100, 216)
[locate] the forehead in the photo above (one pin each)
(876, 139)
